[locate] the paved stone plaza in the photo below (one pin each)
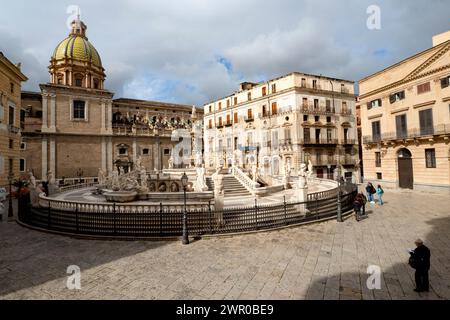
(319, 261)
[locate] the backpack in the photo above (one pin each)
(412, 262)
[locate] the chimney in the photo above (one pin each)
(441, 38)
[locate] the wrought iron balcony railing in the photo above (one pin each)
(439, 130)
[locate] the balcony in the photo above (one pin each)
(249, 118)
(317, 110)
(416, 133)
(129, 130)
(12, 129)
(349, 141)
(323, 161)
(219, 125)
(228, 124)
(319, 141)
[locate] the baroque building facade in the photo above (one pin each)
(73, 126)
(405, 114)
(282, 123)
(11, 79)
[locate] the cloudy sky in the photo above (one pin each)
(194, 51)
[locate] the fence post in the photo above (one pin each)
(114, 219)
(160, 219)
(285, 209)
(256, 214)
(316, 198)
(49, 213)
(76, 217)
(210, 214)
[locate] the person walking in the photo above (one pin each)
(380, 192)
(420, 260)
(359, 204)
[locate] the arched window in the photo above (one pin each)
(78, 80)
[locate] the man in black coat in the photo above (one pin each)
(421, 257)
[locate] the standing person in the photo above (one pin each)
(380, 192)
(420, 260)
(369, 191)
(359, 205)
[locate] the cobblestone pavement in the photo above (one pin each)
(321, 261)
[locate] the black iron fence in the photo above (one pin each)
(168, 223)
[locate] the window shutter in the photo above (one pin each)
(369, 106)
(392, 98)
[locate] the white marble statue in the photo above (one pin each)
(310, 169)
(50, 177)
(121, 171)
(143, 177)
(200, 183)
(254, 172)
(32, 180)
(101, 177)
(171, 162)
(115, 180)
(302, 183)
(218, 182)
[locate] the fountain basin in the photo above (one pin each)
(120, 196)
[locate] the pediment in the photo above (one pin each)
(440, 60)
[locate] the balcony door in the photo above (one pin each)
(401, 125)
(426, 122)
(405, 169)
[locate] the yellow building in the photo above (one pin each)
(10, 88)
(405, 114)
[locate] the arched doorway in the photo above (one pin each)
(405, 169)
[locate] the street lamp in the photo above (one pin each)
(184, 183)
(339, 204)
(10, 206)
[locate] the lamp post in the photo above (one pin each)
(184, 182)
(10, 205)
(339, 204)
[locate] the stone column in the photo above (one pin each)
(44, 111)
(104, 154)
(109, 155)
(44, 159)
(109, 117)
(103, 118)
(134, 151)
(53, 156)
(53, 112)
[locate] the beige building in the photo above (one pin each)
(284, 122)
(74, 127)
(10, 119)
(405, 112)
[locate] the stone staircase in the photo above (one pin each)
(232, 186)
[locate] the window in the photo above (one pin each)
(220, 106)
(11, 115)
(79, 109)
(305, 102)
(316, 118)
(445, 82)
(430, 158)
(228, 103)
(145, 151)
(424, 87)
(264, 91)
(305, 117)
(11, 143)
(220, 121)
(303, 83)
(210, 124)
(314, 83)
(328, 105)
(96, 84)
(123, 151)
(306, 135)
(236, 118)
(374, 104)
(78, 82)
(210, 109)
(235, 100)
(400, 122)
(316, 103)
(379, 176)
(11, 166)
(376, 132)
(377, 159)
(344, 107)
(23, 146)
(249, 96)
(328, 119)
(12, 87)
(274, 108)
(22, 165)
(329, 135)
(274, 88)
(249, 114)
(167, 152)
(393, 98)
(2, 111)
(228, 119)
(426, 122)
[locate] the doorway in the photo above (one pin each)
(405, 169)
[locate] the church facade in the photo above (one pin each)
(73, 127)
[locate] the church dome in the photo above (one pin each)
(77, 47)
